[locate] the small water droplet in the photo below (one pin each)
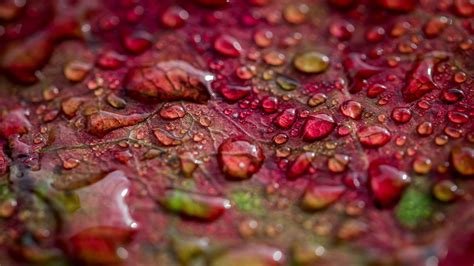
(227, 45)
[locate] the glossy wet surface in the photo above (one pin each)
(252, 132)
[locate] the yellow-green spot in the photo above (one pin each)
(311, 62)
(414, 208)
(246, 201)
(286, 83)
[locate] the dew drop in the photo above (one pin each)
(295, 13)
(77, 71)
(227, 45)
(286, 118)
(401, 114)
(174, 17)
(424, 129)
(311, 62)
(318, 197)
(239, 159)
(351, 109)
(318, 126)
(387, 183)
(374, 136)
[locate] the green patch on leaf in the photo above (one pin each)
(246, 201)
(414, 208)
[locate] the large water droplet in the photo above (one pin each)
(239, 159)
(311, 62)
(102, 225)
(463, 160)
(352, 109)
(318, 126)
(374, 136)
(387, 183)
(169, 81)
(102, 122)
(420, 78)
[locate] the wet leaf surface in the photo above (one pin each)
(216, 132)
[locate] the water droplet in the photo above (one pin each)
(338, 163)
(287, 83)
(251, 254)
(71, 105)
(270, 104)
(424, 129)
(194, 205)
(172, 112)
(110, 60)
(300, 165)
(375, 34)
(344, 130)
(168, 81)
(458, 117)
(422, 165)
(359, 71)
(103, 219)
(280, 138)
(295, 13)
(318, 126)
(452, 95)
(374, 136)
(463, 160)
(115, 101)
(263, 38)
(246, 72)
(137, 42)
(342, 30)
(317, 99)
(102, 122)
(21, 60)
(286, 118)
(70, 163)
(352, 109)
(239, 159)
(227, 45)
(387, 183)
(274, 58)
(76, 71)
(401, 114)
(435, 26)
(419, 80)
(460, 77)
(164, 138)
(311, 62)
(233, 93)
(464, 8)
(441, 140)
(174, 17)
(317, 197)
(445, 190)
(50, 93)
